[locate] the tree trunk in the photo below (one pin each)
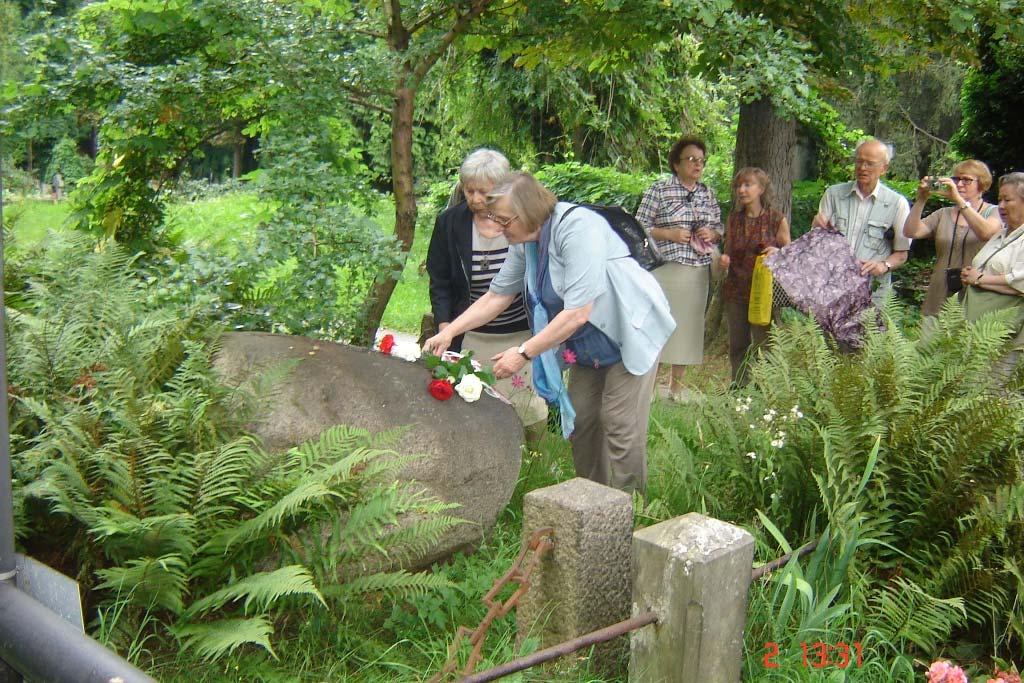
(236, 162)
(765, 140)
(29, 161)
(405, 205)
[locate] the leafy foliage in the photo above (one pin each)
(132, 468)
(990, 97)
(66, 160)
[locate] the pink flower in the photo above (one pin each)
(569, 357)
(944, 672)
(518, 382)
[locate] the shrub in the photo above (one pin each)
(66, 160)
(576, 182)
(132, 468)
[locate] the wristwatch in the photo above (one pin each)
(522, 351)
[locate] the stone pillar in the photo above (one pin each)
(693, 572)
(583, 583)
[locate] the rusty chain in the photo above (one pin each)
(540, 542)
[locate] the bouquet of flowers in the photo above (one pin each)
(451, 373)
(407, 351)
(454, 373)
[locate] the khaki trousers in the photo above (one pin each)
(609, 445)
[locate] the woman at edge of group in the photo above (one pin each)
(965, 227)
(682, 215)
(753, 228)
(466, 251)
(995, 279)
(585, 291)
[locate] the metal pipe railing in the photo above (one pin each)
(41, 646)
(566, 648)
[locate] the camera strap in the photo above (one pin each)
(963, 242)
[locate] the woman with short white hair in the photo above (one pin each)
(466, 251)
(995, 279)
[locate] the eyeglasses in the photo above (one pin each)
(501, 220)
(864, 163)
(965, 179)
(696, 160)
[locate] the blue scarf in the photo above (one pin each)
(547, 374)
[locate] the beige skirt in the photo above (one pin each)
(530, 407)
(686, 288)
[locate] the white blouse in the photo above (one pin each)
(1004, 255)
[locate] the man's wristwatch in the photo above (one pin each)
(522, 351)
(888, 266)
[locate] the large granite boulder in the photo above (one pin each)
(471, 451)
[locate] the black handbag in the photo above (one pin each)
(627, 227)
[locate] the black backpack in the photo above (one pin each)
(628, 228)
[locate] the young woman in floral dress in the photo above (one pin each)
(754, 228)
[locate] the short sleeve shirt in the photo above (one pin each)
(668, 204)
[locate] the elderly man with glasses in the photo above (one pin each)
(871, 216)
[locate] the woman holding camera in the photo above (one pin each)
(959, 230)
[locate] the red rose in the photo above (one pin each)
(441, 389)
(387, 342)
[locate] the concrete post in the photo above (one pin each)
(583, 583)
(693, 572)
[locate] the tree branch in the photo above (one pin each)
(919, 129)
(429, 18)
(360, 92)
(369, 105)
(419, 71)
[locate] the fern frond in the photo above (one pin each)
(149, 581)
(260, 591)
(903, 612)
(400, 583)
(214, 640)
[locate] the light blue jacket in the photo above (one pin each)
(588, 262)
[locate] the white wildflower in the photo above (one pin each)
(752, 455)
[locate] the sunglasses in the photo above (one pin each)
(696, 160)
(966, 180)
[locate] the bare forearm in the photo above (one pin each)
(484, 310)
(896, 259)
(984, 228)
(915, 227)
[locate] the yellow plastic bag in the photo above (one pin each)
(759, 312)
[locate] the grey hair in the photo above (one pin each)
(886, 147)
(527, 198)
(1016, 179)
(484, 165)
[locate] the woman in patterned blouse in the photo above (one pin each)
(754, 228)
(683, 216)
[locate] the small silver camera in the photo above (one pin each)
(936, 183)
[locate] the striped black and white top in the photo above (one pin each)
(488, 256)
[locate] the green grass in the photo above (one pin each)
(33, 218)
(219, 222)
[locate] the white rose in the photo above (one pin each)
(469, 388)
(408, 351)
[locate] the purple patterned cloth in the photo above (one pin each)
(821, 276)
